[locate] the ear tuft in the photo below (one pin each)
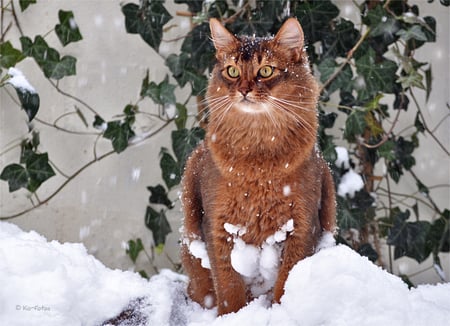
(290, 35)
(221, 37)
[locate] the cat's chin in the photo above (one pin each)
(252, 107)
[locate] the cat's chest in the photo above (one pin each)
(261, 208)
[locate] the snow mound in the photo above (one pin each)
(49, 283)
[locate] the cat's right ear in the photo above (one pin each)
(223, 40)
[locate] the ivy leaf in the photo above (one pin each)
(414, 32)
(147, 21)
(184, 141)
(159, 196)
(134, 248)
(67, 30)
(9, 56)
(199, 47)
(181, 117)
(39, 170)
(409, 238)
(355, 124)
(183, 72)
(162, 93)
(386, 150)
(315, 17)
(378, 76)
(439, 235)
(25, 3)
(16, 176)
(428, 80)
(26, 93)
(171, 172)
(99, 123)
(48, 58)
(119, 133)
(158, 224)
(403, 158)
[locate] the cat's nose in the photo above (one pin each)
(245, 88)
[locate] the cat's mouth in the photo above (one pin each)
(249, 106)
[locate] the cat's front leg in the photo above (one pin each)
(295, 249)
(229, 286)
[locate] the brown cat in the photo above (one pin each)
(257, 195)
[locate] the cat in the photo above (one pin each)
(256, 194)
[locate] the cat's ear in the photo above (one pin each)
(290, 36)
(223, 40)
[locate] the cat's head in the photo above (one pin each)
(263, 79)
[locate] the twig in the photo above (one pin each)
(425, 124)
(347, 60)
(76, 173)
(386, 135)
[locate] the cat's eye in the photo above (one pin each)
(265, 71)
(233, 72)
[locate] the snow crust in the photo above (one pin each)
(49, 283)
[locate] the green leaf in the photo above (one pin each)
(159, 196)
(134, 248)
(119, 133)
(199, 47)
(409, 238)
(315, 17)
(414, 32)
(48, 58)
(9, 56)
(39, 170)
(16, 176)
(183, 71)
(184, 141)
(67, 29)
(386, 150)
(28, 97)
(181, 116)
(439, 235)
(403, 158)
(147, 21)
(25, 3)
(428, 82)
(355, 124)
(376, 75)
(162, 93)
(158, 224)
(171, 171)
(98, 122)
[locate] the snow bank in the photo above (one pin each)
(48, 283)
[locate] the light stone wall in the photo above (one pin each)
(104, 206)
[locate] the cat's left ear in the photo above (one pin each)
(223, 40)
(290, 36)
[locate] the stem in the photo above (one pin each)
(347, 60)
(386, 135)
(74, 175)
(425, 124)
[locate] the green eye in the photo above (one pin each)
(266, 71)
(233, 72)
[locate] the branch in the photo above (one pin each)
(79, 171)
(426, 126)
(347, 60)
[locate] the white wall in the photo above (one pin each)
(105, 205)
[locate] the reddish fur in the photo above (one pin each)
(238, 173)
